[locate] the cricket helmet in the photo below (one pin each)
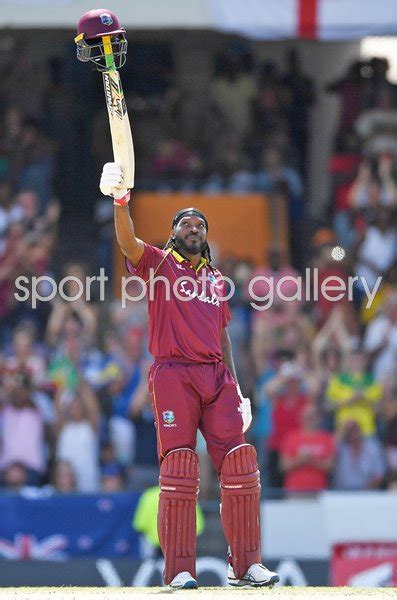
(91, 28)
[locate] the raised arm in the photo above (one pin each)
(131, 246)
(112, 185)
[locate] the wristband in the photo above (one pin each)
(123, 201)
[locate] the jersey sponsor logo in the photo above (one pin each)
(106, 19)
(213, 299)
(169, 418)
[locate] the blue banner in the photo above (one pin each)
(60, 526)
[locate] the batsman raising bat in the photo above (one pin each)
(192, 381)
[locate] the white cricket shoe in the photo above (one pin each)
(183, 581)
(256, 576)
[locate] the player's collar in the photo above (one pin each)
(180, 258)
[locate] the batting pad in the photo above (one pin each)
(176, 522)
(240, 499)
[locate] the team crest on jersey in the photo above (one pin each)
(169, 418)
(106, 19)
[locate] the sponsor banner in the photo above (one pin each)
(365, 565)
(211, 571)
(59, 526)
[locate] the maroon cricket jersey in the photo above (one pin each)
(188, 327)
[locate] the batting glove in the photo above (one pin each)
(111, 184)
(244, 408)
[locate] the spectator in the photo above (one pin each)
(33, 163)
(335, 334)
(77, 422)
(269, 106)
(119, 393)
(392, 482)
(283, 326)
(75, 276)
(307, 455)
(387, 287)
(261, 428)
(350, 89)
(64, 479)
(330, 271)
(360, 463)
(275, 176)
(380, 341)
(10, 212)
(353, 394)
(23, 427)
(112, 479)
(363, 192)
(387, 180)
(144, 472)
(289, 397)
(377, 248)
(380, 93)
(15, 477)
(26, 354)
(174, 162)
(10, 265)
(388, 414)
(268, 276)
(232, 93)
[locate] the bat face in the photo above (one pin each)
(120, 128)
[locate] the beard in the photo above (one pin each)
(190, 246)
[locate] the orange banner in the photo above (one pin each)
(241, 226)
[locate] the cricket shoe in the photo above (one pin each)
(256, 576)
(183, 581)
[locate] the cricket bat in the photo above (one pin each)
(120, 129)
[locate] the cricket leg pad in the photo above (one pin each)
(240, 507)
(176, 519)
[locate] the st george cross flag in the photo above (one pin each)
(310, 19)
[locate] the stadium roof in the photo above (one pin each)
(256, 19)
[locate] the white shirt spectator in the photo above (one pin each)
(78, 444)
(380, 249)
(381, 331)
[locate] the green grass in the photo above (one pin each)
(108, 593)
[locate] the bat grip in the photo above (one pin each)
(107, 49)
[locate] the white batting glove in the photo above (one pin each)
(111, 184)
(245, 409)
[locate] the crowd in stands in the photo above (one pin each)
(75, 414)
